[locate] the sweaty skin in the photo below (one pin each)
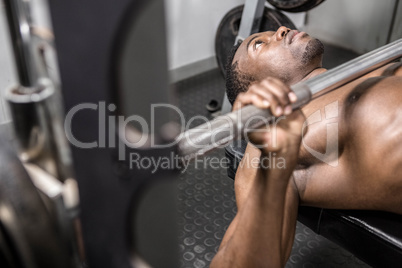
(368, 172)
(358, 165)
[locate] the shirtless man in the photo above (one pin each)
(369, 153)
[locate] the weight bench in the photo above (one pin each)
(373, 236)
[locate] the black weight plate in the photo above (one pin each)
(8, 255)
(31, 224)
(229, 28)
(295, 5)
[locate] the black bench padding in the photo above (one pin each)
(373, 236)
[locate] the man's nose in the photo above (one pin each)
(281, 32)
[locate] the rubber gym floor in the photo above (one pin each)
(206, 203)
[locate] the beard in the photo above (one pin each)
(314, 49)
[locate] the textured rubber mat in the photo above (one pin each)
(206, 202)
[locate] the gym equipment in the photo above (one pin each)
(39, 197)
(212, 106)
(31, 235)
(295, 5)
(229, 27)
(110, 53)
(35, 103)
(250, 19)
(125, 214)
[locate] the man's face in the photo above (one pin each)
(286, 54)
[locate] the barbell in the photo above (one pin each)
(223, 129)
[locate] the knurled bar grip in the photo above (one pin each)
(225, 128)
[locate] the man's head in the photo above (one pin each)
(285, 54)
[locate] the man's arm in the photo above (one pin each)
(243, 182)
(262, 232)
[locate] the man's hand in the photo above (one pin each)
(285, 134)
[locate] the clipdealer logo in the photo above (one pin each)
(109, 124)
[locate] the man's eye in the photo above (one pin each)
(258, 43)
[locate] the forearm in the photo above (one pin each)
(257, 237)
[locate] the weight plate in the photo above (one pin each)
(295, 5)
(27, 227)
(229, 28)
(8, 255)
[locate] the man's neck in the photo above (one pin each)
(314, 72)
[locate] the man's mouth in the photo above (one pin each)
(293, 36)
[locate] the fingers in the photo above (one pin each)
(276, 97)
(284, 136)
(269, 93)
